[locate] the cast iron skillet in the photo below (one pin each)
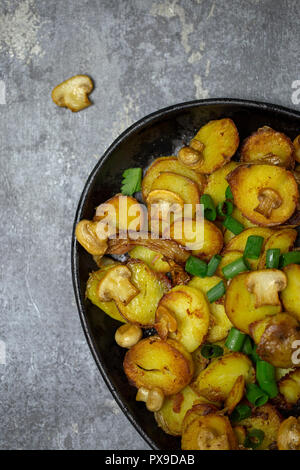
(160, 134)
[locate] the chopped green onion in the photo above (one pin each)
(216, 292)
(236, 267)
(255, 395)
(292, 257)
(273, 258)
(247, 347)
(228, 193)
(254, 439)
(224, 208)
(132, 181)
(253, 246)
(233, 225)
(213, 265)
(235, 340)
(265, 375)
(210, 212)
(254, 356)
(240, 412)
(196, 266)
(211, 350)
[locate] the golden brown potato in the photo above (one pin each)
(183, 314)
(153, 259)
(240, 305)
(217, 380)
(235, 394)
(265, 194)
(220, 139)
(289, 434)
(121, 213)
(290, 296)
(297, 148)
(73, 93)
(91, 293)
(170, 164)
(238, 243)
(141, 309)
(154, 362)
(289, 387)
(219, 322)
(204, 429)
(283, 239)
(217, 183)
(275, 339)
(202, 238)
(180, 185)
(170, 416)
(268, 146)
(267, 419)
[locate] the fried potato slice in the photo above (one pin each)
(219, 322)
(170, 164)
(235, 395)
(153, 259)
(265, 194)
(221, 140)
(189, 308)
(91, 293)
(269, 146)
(121, 213)
(141, 309)
(275, 338)
(155, 363)
(289, 434)
(238, 243)
(289, 387)
(217, 380)
(204, 239)
(186, 188)
(283, 239)
(73, 93)
(297, 148)
(240, 305)
(204, 429)
(290, 296)
(267, 419)
(170, 416)
(217, 182)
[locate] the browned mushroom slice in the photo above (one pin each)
(116, 285)
(73, 93)
(297, 148)
(87, 235)
(265, 285)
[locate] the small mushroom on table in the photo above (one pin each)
(73, 93)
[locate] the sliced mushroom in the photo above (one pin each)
(116, 285)
(268, 201)
(265, 285)
(289, 434)
(191, 156)
(128, 335)
(164, 202)
(165, 322)
(73, 93)
(153, 398)
(87, 235)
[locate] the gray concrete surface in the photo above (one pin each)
(142, 55)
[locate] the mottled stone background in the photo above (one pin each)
(142, 55)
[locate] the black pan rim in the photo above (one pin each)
(249, 104)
